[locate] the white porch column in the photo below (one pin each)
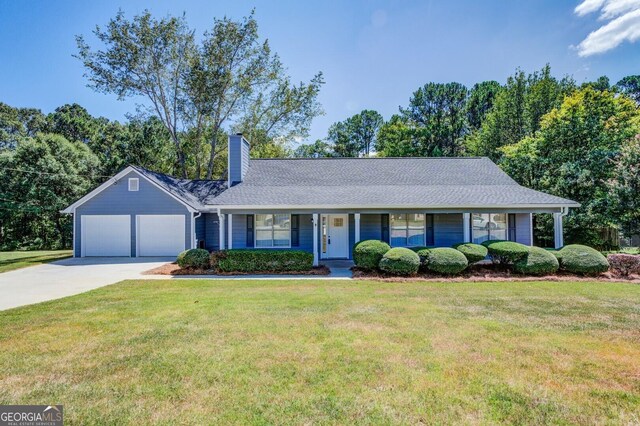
(466, 227)
(221, 230)
(230, 231)
(315, 239)
(357, 220)
(558, 232)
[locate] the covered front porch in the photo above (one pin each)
(331, 234)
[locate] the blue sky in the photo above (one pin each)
(373, 54)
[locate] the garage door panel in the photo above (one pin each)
(160, 235)
(106, 235)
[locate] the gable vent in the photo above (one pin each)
(134, 184)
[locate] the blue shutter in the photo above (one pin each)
(295, 230)
(249, 231)
(430, 237)
(511, 227)
(384, 231)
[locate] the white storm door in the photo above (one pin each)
(105, 235)
(160, 235)
(338, 236)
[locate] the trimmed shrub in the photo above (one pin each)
(487, 242)
(473, 252)
(367, 254)
(418, 248)
(194, 258)
(400, 261)
(624, 264)
(580, 259)
(261, 260)
(507, 252)
(537, 262)
(445, 260)
(423, 254)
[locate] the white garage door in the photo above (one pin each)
(160, 235)
(106, 235)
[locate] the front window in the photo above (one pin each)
(407, 230)
(273, 230)
(489, 226)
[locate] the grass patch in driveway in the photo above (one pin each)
(337, 352)
(10, 260)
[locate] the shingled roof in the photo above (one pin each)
(381, 182)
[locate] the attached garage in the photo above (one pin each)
(160, 235)
(106, 235)
(137, 213)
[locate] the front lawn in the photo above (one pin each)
(341, 352)
(10, 260)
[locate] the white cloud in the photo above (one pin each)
(623, 25)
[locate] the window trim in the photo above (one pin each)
(137, 184)
(255, 232)
(424, 230)
(506, 229)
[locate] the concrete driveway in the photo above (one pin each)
(68, 277)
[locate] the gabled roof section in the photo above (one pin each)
(188, 192)
(382, 182)
(192, 192)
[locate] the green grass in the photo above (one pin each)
(329, 352)
(10, 260)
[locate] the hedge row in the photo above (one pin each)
(256, 260)
(577, 259)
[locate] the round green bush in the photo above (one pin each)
(473, 252)
(538, 262)
(446, 260)
(367, 254)
(400, 261)
(507, 252)
(580, 259)
(194, 258)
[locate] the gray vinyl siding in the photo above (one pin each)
(447, 229)
(211, 231)
(239, 234)
(200, 229)
(370, 227)
(118, 200)
(523, 228)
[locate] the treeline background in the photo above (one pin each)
(578, 141)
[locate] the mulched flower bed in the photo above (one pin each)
(174, 269)
(491, 273)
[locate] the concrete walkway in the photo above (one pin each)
(68, 277)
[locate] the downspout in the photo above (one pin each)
(193, 228)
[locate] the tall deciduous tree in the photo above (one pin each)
(630, 86)
(144, 57)
(53, 173)
(517, 111)
(17, 123)
(318, 149)
(573, 156)
(356, 135)
(624, 200)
